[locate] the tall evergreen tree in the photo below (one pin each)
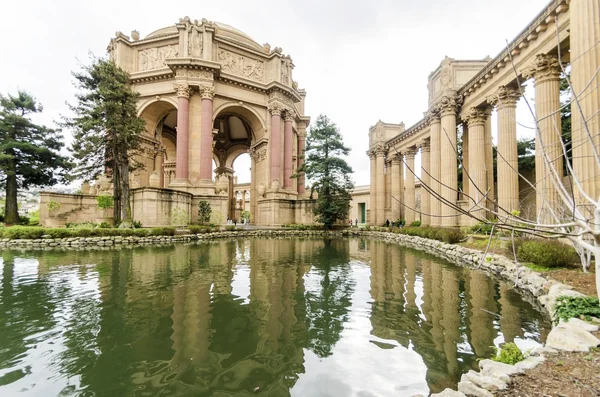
(106, 129)
(29, 153)
(329, 173)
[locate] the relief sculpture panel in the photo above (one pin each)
(241, 66)
(154, 58)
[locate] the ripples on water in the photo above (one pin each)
(258, 317)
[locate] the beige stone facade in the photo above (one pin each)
(463, 93)
(208, 92)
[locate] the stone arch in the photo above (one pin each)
(153, 111)
(249, 114)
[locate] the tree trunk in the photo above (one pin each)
(11, 209)
(116, 188)
(125, 196)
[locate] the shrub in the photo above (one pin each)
(52, 205)
(104, 202)
(136, 224)
(196, 229)
(229, 227)
(449, 235)
(416, 223)
(569, 306)
(80, 225)
(204, 211)
(21, 232)
(162, 231)
(104, 225)
(508, 354)
(548, 253)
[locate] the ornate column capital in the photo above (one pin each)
(183, 90)
(288, 115)
(207, 92)
(433, 114)
(302, 135)
(475, 116)
(449, 104)
(380, 150)
(425, 145)
(276, 109)
(397, 158)
(409, 153)
(506, 96)
(543, 68)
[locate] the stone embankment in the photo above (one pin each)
(575, 335)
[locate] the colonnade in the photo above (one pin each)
(470, 105)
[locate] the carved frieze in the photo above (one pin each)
(195, 73)
(241, 65)
(194, 39)
(154, 58)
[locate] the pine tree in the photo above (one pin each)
(106, 129)
(29, 153)
(329, 173)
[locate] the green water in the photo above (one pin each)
(249, 317)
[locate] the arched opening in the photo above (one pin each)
(236, 130)
(160, 149)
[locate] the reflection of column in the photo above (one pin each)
(380, 186)
(373, 188)
(425, 195)
(448, 167)
(183, 108)
(288, 135)
(510, 320)
(275, 142)
(396, 187)
(435, 169)
(508, 180)
(206, 131)
(301, 148)
(546, 72)
(411, 278)
(409, 190)
(451, 320)
(480, 322)
(476, 121)
(585, 61)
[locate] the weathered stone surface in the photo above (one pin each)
(484, 381)
(448, 393)
(530, 362)
(489, 368)
(470, 389)
(583, 324)
(569, 337)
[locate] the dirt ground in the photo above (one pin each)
(561, 375)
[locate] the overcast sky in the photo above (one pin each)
(359, 61)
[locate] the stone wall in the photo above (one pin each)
(72, 208)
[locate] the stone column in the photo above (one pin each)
(435, 169)
(508, 179)
(449, 165)
(585, 61)
(206, 130)
(288, 146)
(425, 195)
(301, 148)
(275, 142)
(465, 161)
(396, 164)
(183, 118)
(489, 162)
(372, 187)
(475, 120)
(546, 72)
(409, 191)
(380, 193)
(388, 186)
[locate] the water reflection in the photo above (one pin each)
(259, 316)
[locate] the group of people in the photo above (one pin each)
(235, 221)
(355, 222)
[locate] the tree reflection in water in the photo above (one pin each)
(240, 317)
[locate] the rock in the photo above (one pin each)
(569, 337)
(530, 363)
(538, 351)
(448, 393)
(484, 381)
(470, 389)
(583, 324)
(489, 368)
